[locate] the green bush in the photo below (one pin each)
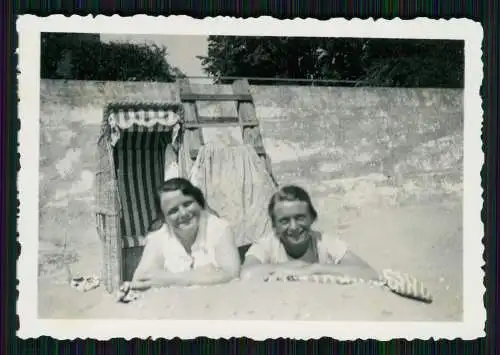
(66, 57)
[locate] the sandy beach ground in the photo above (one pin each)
(422, 240)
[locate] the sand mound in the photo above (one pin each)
(250, 301)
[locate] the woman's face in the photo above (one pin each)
(181, 212)
(292, 224)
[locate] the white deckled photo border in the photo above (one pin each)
(474, 315)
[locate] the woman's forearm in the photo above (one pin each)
(263, 270)
(363, 272)
(256, 271)
(208, 277)
(158, 279)
(194, 277)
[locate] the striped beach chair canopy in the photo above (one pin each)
(126, 118)
(137, 136)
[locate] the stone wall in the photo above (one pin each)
(361, 146)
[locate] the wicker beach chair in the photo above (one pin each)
(131, 162)
(137, 144)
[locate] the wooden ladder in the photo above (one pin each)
(246, 119)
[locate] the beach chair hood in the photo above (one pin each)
(140, 119)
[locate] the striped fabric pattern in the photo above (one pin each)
(406, 285)
(144, 118)
(142, 121)
(399, 283)
(139, 161)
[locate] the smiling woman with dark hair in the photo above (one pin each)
(191, 247)
(295, 248)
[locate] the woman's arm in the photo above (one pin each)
(227, 258)
(208, 275)
(151, 260)
(350, 265)
(253, 268)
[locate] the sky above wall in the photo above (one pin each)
(182, 50)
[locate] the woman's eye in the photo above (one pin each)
(284, 221)
(173, 211)
(188, 203)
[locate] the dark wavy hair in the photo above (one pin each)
(176, 184)
(291, 193)
(183, 185)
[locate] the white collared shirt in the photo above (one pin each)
(176, 258)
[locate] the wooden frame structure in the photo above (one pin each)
(246, 119)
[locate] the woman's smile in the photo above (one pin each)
(297, 237)
(187, 222)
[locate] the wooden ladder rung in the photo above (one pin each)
(192, 125)
(215, 97)
(259, 150)
(218, 119)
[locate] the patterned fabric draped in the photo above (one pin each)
(237, 186)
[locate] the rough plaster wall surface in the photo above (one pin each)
(409, 140)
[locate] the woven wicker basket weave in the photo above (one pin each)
(118, 262)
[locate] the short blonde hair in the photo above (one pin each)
(291, 193)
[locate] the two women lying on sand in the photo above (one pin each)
(195, 247)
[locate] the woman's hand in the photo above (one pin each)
(295, 269)
(254, 273)
(265, 271)
(155, 279)
(207, 268)
(294, 265)
(141, 283)
(145, 281)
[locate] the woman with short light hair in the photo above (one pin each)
(295, 248)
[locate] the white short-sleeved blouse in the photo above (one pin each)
(176, 258)
(270, 250)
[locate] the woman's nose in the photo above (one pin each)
(182, 211)
(293, 224)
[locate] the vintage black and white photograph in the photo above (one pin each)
(229, 174)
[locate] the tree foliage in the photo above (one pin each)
(378, 62)
(413, 63)
(281, 57)
(64, 56)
